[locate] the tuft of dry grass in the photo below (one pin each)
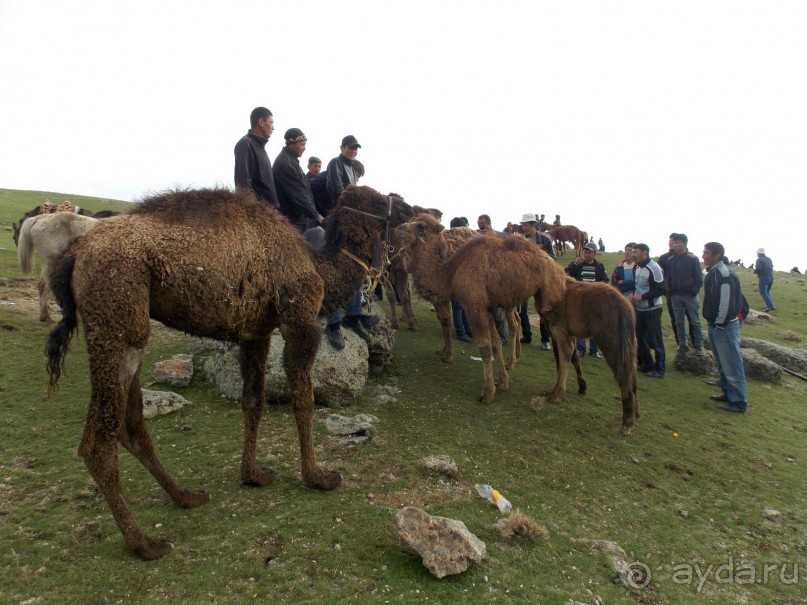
(519, 525)
(791, 336)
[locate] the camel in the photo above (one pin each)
(599, 311)
(50, 234)
(429, 245)
(396, 280)
(567, 233)
(217, 264)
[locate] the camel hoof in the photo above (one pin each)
(194, 497)
(259, 478)
(502, 386)
(625, 431)
(154, 549)
(325, 480)
(486, 398)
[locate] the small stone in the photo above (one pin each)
(771, 514)
(683, 514)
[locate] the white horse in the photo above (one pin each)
(50, 234)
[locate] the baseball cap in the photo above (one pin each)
(590, 246)
(350, 141)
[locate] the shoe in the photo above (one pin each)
(334, 334)
(368, 321)
(732, 407)
(766, 309)
(654, 374)
(712, 383)
(721, 398)
(683, 349)
(772, 309)
(354, 323)
(546, 346)
(645, 370)
(699, 351)
(465, 338)
(595, 355)
(525, 340)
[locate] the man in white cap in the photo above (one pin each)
(763, 268)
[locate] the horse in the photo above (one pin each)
(50, 234)
(47, 208)
(212, 263)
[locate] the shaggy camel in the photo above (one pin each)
(50, 234)
(217, 264)
(600, 311)
(429, 245)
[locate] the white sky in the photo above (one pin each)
(630, 119)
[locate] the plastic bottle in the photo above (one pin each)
(502, 503)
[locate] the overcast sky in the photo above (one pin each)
(630, 119)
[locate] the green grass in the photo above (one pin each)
(564, 465)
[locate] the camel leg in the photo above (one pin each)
(443, 311)
(253, 368)
(135, 437)
(42, 287)
(99, 447)
(302, 344)
(503, 381)
(564, 350)
(484, 329)
(514, 333)
(389, 292)
(406, 302)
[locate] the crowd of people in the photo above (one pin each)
(307, 199)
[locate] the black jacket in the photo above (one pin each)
(722, 296)
(682, 272)
(339, 175)
(293, 192)
(253, 170)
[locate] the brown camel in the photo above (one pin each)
(217, 264)
(429, 246)
(396, 280)
(567, 233)
(599, 311)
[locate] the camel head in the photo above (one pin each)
(418, 230)
(436, 213)
(367, 213)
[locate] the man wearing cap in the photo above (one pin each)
(314, 167)
(529, 227)
(293, 192)
(340, 169)
(588, 269)
(253, 170)
(763, 268)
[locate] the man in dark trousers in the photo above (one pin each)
(296, 200)
(253, 170)
(763, 269)
(682, 272)
(649, 288)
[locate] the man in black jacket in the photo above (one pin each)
(589, 269)
(340, 169)
(296, 200)
(253, 170)
(682, 272)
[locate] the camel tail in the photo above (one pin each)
(25, 247)
(59, 338)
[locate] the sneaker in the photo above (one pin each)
(732, 407)
(721, 398)
(595, 355)
(654, 374)
(546, 346)
(683, 349)
(525, 340)
(712, 383)
(465, 338)
(334, 334)
(699, 351)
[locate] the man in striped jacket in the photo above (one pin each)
(649, 288)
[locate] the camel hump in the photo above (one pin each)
(207, 206)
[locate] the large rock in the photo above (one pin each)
(792, 359)
(445, 545)
(157, 403)
(176, 371)
(692, 363)
(759, 367)
(339, 376)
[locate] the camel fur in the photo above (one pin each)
(396, 280)
(50, 235)
(430, 246)
(213, 263)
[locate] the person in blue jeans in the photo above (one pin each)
(763, 268)
(722, 307)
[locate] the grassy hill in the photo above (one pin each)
(685, 495)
